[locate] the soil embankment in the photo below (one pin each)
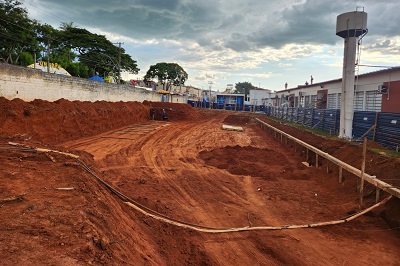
(187, 168)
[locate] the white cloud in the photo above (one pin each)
(233, 39)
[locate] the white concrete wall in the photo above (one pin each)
(257, 96)
(364, 83)
(29, 84)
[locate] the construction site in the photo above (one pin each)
(100, 183)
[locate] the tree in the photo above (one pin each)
(77, 50)
(167, 74)
(243, 87)
(16, 32)
(95, 51)
(48, 38)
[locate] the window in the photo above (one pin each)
(332, 101)
(306, 101)
(313, 101)
(358, 101)
(374, 101)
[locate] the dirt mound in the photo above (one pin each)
(175, 111)
(239, 120)
(248, 160)
(63, 120)
(54, 213)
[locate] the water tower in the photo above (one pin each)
(349, 26)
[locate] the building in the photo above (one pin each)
(234, 100)
(259, 96)
(377, 91)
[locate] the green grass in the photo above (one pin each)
(314, 131)
(387, 152)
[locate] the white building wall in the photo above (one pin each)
(260, 97)
(366, 86)
(29, 84)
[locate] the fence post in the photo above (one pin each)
(376, 125)
(312, 116)
(377, 196)
(335, 123)
(297, 115)
(362, 172)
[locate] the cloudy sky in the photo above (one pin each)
(265, 42)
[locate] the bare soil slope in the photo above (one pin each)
(53, 212)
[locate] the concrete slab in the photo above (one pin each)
(227, 127)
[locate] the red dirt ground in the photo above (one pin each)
(186, 168)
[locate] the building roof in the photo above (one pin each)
(391, 69)
(260, 89)
(230, 94)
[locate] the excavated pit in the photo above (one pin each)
(188, 169)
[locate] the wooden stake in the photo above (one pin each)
(373, 180)
(340, 174)
(316, 160)
(307, 156)
(362, 172)
(377, 196)
(376, 125)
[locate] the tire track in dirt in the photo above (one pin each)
(163, 171)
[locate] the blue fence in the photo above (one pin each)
(383, 128)
(229, 107)
(362, 122)
(322, 119)
(388, 130)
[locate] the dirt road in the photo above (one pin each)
(189, 170)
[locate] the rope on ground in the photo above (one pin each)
(158, 216)
(248, 228)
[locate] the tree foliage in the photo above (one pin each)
(78, 50)
(167, 74)
(243, 87)
(96, 51)
(17, 33)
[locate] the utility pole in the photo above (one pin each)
(119, 60)
(48, 57)
(209, 100)
(180, 82)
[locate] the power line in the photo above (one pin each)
(142, 58)
(376, 66)
(56, 18)
(59, 41)
(44, 36)
(19, 26)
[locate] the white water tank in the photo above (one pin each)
(351, 24)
